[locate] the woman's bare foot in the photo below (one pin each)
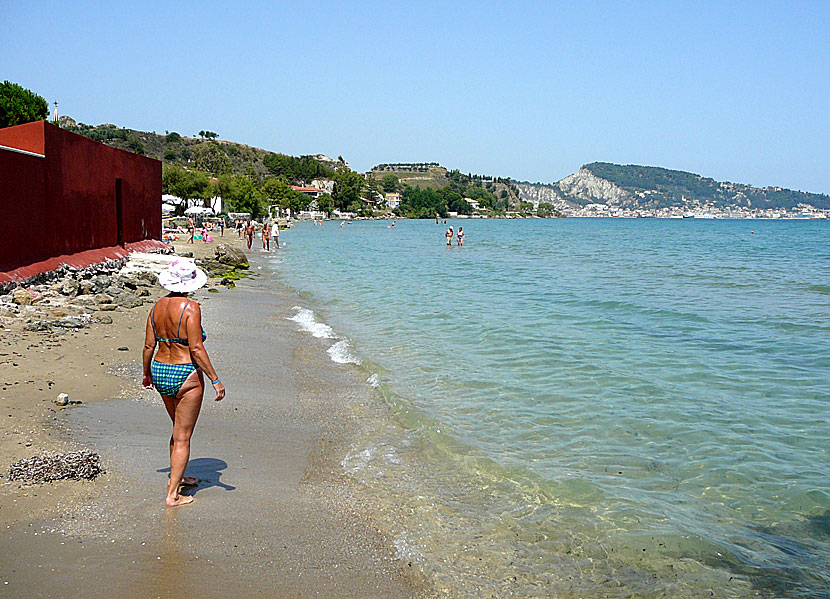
(178, 500)
(188, 481)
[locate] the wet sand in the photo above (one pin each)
(273, 515)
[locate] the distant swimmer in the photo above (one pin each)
(460, 236)
(393, 222)
(342, 223)
(449, 235)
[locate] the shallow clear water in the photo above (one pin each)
(582, 407)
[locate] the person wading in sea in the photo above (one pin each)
(266, 237)
(175, 325)
(275, 234)
(449, 234)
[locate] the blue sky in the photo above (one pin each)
(737, 91)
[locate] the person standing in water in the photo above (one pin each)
(459, 238)
(176, 370)
(266, 237)
(449, 235)
(275, 234)
(249, 233)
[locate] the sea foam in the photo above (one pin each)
(341, 352)
(305, 318)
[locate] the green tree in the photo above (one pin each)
(294, 169)
(277, 191)
(389, 183)
(326, 203)
(172, 137)
(136, 146)
(455, 203)
(185, 184)
(211, 158)
(19, 105)
(547, 210)
(242, 194)
(348, 186)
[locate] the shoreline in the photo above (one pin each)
(278, 436)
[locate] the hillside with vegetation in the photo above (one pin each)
(249, 179)
(428, 189)
(652, 188)
(665, 187)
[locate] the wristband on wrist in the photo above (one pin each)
(216, 381)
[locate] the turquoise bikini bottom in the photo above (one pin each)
(169, 378)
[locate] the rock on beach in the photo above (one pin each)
(75, 465)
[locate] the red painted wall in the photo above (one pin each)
(65, 202)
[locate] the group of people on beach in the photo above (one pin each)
(270, 232)
(459, 237)
(205, 230)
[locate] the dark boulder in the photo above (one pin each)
(231, 256)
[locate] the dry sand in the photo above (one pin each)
(268, 519)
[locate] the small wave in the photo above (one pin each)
(356, 461)
(406, 551)
(374, 381)
(341, 352)
(305, 318)
(822, 289)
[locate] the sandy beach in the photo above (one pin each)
(273, 515)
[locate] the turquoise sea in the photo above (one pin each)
(587, 407)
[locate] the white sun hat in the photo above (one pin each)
(182, 276)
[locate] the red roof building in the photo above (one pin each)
(312, 192)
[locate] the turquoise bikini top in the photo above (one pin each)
(175, 339)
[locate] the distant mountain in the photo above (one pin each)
(652, 188)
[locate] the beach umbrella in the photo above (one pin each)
(167, 208)
(198, 210)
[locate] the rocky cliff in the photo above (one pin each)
(586, 188)
(653, 188)
(543, 194)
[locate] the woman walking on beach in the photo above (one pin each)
(175, 325)
(266, 237)
(275, 233)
